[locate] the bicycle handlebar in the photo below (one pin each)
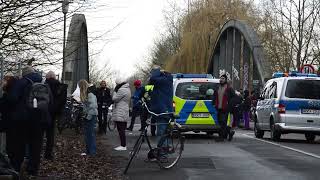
(153, 113)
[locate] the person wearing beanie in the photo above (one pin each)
(28, 123)
(222, 102)
(136, 105)
(27, 70)
(120, 113)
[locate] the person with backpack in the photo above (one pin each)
(59, 94)
(90, 108)
(30, 100)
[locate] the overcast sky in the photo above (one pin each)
(140, 22)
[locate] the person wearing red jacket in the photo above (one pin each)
(222, 101)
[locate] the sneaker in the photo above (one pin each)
(120, 148)
(83, 154)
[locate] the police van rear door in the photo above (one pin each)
(193, 101)
(303, 102)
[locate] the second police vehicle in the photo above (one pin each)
(289, 103)
(192, 101)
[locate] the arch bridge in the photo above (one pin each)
(239, 54)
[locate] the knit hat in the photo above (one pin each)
(27, 70)
(137, 83)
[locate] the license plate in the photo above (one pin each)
(310, 111)
(200, 115)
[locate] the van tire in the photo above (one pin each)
(274, 133)
(257, 132)
(310, 137)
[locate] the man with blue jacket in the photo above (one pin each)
(161, 98)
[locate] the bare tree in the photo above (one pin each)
(296, 23)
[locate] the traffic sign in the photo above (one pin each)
(307, 68)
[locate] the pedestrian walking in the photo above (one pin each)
(89, 101)
(246, 105)
(120, 114)
(223, 103)
(59, 94)
(136, 104)
(104, 101)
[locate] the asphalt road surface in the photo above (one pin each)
(245, 158)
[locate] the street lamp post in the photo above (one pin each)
(65, 8)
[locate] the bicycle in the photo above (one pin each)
(73, 117)
(111, 124)
(170, 143)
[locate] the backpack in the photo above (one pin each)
(38, 96)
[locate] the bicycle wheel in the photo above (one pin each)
(170, 148)
(111, 124)
(134, 152)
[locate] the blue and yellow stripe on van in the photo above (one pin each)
(185, 108)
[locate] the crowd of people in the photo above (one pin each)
(31, 105)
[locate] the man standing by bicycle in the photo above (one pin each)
(161, 97)
(104, 101)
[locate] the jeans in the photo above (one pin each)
(162, 124)
(223, 118)
(102, 112)
(90, 135)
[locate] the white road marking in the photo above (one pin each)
(283, 146)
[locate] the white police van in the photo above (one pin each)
(289, 103)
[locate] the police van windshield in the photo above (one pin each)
(305, 89)
(196, 90)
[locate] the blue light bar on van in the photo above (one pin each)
(292, 74)
(181, 75)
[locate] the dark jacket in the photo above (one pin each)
(162, 95)
(103, 97)
(59, 97)
(136, 97)
(236, 101)
(17, 98)
(246, 104)
(227, 104)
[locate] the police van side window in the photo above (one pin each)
(273, 90)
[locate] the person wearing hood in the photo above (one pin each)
(29, 123)
(120, 114)
(223, 104)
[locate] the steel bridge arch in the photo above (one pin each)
(237, 49)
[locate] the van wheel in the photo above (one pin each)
(310, 137)
(257, 132)
(275, 134)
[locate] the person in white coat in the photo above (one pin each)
(120, 114)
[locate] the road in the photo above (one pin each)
(244, 158)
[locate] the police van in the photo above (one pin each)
(192, 101)
(289, 103)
